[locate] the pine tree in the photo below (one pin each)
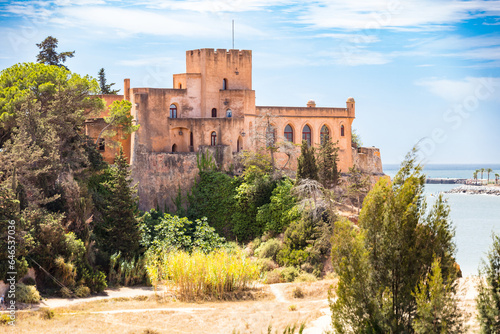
(328, 157)
(48, 54)
(105, 88)
(307, 168)
(437, 305)
(119, 230)
(399, 239)
(488, 299)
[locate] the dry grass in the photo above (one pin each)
(310, 290)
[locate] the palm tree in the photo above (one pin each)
(477, 172)
(474, 175)
(482, 170)
(497, 176)
(489, 170)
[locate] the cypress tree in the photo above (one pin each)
(307, 168)
(328, 156)
(119, 231)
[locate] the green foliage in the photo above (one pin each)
(105, 88)
(437, 307)
(488, 299)
(27, 294)
(358, 186)
(306, 167)
(46, 313)
(82, 291)
(205, 162)
(278, 214)
(381, 265)
(173, 232)
(269, 249)
(95, 280)
(119, 118)
(306, 277)
(5, 319)
(213, 196)
(66, 292)
(355, 138)
(48, 54)
(251, 195)
(126, 272)
(119, 229)
(328, 156)
(297, 292)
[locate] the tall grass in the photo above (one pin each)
(198, 275)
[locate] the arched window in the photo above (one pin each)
(191, 142)
(342, 131)
(306, 134)
(174, 148)
(213, 138)
(224, 84)
(180, 86)
(324, 134)
(214, 112)
(173, 111)
(229, 113)
(289, 133)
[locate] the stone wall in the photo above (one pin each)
(368, 160)
(160, 175)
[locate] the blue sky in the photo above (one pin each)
(421, 71)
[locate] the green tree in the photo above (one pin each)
(497, 176)
(358, 185)
(119, 229)
(48, 54)
(488, 299)
(306, 167)
(105, 88)
(489, 170)
(399, 240)
(119, 118)
(437, 305)
(327, 159)
(356, 139)
(474, 176)
(482, 170)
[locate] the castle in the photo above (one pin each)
(212, 107)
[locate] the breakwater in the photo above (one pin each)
(445, 181)
(475, 190)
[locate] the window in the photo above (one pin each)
(289, 133)
(224, 84)
(174, 148)
(306, 134)
(214, 112)
(101, 145)
(180, 86)
(342, 132)
(324, 134)
(239, 144)
(213, 138)
(229, 113)
(173, 111)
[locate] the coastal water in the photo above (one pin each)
(475, 217)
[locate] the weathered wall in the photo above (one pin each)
(369, 161)
(160, 175)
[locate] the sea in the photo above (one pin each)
(474, 217)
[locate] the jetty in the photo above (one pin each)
(446, 181)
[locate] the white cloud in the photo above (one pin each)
(126, 22)
(483, 88)
(352, 38)
(215, 5)
(395, 14)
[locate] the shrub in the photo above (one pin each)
(201, 275)
(29, 281)
(82, 291)
(66, 293)
(292, 308)
(125, 271)
(27, 294)
(297, 292)
(46, 313)
(267, 265)
(289, 273)
(306, 277)
(5, 319)
(96, 281)
(269, 249)
(274, 276)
